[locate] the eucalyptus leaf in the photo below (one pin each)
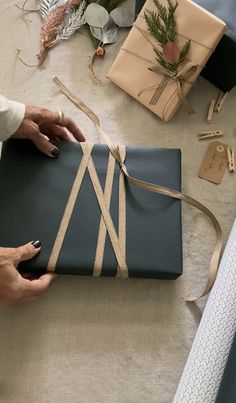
(110, 36)
(122, 17)
(96, 16)
(110, 31)
(97, 33)
(107, 34)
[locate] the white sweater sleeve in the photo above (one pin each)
(11, 116)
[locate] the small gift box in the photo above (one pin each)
(138, 6)
(220, 70)
(56, 201)
(143, 68)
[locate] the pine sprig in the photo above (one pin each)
(162, 26)
(184, 51)
(154, 26)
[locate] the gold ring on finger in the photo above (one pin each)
(60, 117)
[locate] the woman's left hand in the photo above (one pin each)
(15, 287)
(40, 124)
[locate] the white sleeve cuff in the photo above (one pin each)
(11, 115)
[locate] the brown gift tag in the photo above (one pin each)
(214, 162)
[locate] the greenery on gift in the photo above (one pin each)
(162, 25)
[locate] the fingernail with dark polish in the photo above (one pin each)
(55, 152)
(36, 244)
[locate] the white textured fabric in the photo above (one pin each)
(206, 362)
(11, 116)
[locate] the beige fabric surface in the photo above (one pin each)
(109, 340)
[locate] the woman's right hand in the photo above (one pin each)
(13, 286)
(40, 124)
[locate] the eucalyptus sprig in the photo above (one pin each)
(162, 25)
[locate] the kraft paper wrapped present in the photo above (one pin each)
(130, 70)
(36, 199)
(221, 67)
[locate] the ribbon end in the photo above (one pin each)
(191, 298)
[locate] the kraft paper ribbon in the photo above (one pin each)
(122, 207)
(102, 228)
(87, 163)
(69, 210)
(115, 151)
(123, 269)
(97, 270)
(178, 77)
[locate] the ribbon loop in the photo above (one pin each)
(169, 76)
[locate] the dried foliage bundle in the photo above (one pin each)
(60, 20)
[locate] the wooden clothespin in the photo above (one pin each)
(220, 101)
(231, 161)
(211, 110)
(210, 134)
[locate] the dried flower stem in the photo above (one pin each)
(22, 61)
(91, 68)
(51, 24)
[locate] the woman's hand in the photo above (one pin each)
(13, 286)
(40, 124)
